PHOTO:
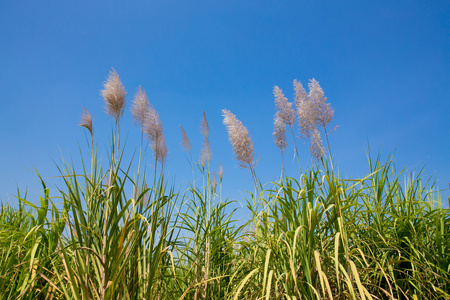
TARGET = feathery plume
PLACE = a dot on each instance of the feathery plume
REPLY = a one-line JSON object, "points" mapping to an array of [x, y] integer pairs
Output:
{"points": [[316, 147], [279, 133], [220, 172], [300, 93], [315, 91], [206, 153], [240, 140], [214, 181], [204, 127], [86, 121], [306, 111], [114, 95], [324, 111], [185, 143], [206, 149], [153, 127], [154, 131], [313, 111], [139, 108], [287, 114], [160, 149]]}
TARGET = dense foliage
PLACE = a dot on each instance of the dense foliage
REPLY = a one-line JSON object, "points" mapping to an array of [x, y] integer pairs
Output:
{"points": [[109, 234]]}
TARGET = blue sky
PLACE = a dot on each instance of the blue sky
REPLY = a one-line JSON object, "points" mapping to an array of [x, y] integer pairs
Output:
{"points": [[383, 65]]}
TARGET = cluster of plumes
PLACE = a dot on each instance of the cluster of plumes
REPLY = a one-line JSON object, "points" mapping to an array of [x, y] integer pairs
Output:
{"points": [[206, 153], [86, 121], [147, 118], [311, 108], [144, 115], [240, 140], [285, 115], [114, 94], [312, 112]]}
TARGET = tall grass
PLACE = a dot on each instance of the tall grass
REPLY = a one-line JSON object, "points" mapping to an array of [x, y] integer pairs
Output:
{"points": [[110, 233]]}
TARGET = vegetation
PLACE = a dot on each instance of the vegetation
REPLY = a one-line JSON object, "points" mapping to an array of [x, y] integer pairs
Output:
{"points": [[116, 235]]}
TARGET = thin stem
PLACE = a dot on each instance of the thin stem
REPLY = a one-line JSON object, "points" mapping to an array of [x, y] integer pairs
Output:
{"points": [[296, 149], [118, 138], [137, 187], [310, 151], [328, 146], [282, 165], [154, 183], [255, 181], [192, 168]]}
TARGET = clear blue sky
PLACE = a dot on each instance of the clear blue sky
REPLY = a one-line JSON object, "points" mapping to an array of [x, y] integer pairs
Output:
{"points": [[384, 66]]}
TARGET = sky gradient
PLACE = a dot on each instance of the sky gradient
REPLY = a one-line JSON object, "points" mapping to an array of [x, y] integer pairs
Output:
{"points": [[383, 65]]}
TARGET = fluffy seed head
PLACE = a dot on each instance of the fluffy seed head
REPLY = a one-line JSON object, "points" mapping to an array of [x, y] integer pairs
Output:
{"points": [[204, 127], [185, 143], [206, 149], [114, 95], [154, 132], [206, 153], [306, 111], [160, 149], [287, 114], [300, 93], [220, 172], [86, 121], [239, 138], [315, 91], [140, 107], [324, 111], [316, 147], [279, 133]]}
